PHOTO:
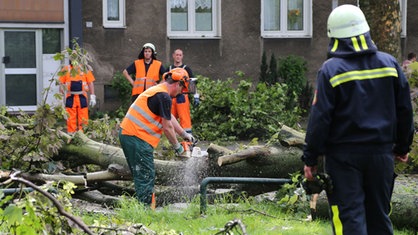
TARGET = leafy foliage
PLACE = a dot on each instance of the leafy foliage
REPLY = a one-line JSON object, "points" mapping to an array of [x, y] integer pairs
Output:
{"points": [[28, 140], [292, 198], [104, 129], [272, 76], [242, 112], [292, 70], [124, 89], [33, 213], [263, 68]]}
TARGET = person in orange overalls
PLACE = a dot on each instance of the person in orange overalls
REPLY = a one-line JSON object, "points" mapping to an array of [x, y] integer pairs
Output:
{"points": [[76, 103], [147, 70], [180, 107]]}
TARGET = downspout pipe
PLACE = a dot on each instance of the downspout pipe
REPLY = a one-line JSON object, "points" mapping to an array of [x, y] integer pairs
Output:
{"points": [[234, 180]]}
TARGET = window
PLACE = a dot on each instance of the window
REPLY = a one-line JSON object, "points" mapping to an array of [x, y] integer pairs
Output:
{"points": [[51, 41], [286, 18], [114, 13], [20, 76], [193, 18]]}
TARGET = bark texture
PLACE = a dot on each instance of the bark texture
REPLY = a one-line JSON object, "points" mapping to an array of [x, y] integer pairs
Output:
{"points": [[384, 20]]}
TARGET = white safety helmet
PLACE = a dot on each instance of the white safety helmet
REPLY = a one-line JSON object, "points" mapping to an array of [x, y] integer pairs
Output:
{"points": [[346, 21], [149, 45]]}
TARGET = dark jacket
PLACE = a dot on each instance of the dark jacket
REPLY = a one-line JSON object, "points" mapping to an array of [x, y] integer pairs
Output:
{"points": [[362, 103]]}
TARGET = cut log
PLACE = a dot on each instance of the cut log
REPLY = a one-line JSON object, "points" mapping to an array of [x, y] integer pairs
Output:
{"points": [[291, 137], [243, 155]]}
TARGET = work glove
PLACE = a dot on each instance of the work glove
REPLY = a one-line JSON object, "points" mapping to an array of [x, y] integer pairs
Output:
{"points": [[189, 137], [196, 99], [178, 148], [92, 100]]}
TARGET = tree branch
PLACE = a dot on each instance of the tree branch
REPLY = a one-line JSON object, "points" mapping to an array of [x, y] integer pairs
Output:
{"points": [[61, 210]]}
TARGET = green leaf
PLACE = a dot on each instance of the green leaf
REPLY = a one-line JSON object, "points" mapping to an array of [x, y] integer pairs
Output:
{"points": [[13, 214]]}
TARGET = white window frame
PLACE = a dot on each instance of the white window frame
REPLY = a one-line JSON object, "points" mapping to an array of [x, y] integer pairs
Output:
{"points": [[403, 6], [284, 32], [114, 23], [37, 71], [191, 33]]}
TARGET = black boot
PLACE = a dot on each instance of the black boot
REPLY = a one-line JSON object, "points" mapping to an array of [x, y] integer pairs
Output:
{"points": [[313, 214]]}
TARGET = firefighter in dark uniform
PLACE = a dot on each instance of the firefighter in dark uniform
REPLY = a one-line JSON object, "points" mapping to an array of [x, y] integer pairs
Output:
{"points": [[361, 120]]}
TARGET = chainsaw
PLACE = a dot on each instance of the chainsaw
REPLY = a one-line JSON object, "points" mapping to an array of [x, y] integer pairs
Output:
{"points": [[190, 150]]}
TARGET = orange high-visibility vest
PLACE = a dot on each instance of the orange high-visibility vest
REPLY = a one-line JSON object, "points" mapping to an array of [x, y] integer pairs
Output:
{"points": [[145, 80], [139, 121]]}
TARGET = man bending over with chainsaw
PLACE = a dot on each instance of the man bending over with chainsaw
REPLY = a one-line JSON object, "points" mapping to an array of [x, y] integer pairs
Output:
{"points": [[361, 120], [141, 129]]}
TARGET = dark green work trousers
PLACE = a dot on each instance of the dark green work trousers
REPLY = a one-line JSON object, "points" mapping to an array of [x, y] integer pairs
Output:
{"points": [[139, 155]]}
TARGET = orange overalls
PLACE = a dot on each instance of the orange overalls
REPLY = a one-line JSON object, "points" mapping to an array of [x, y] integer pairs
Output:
{"points": [[180, 108], [145, 80], [76, 103]]}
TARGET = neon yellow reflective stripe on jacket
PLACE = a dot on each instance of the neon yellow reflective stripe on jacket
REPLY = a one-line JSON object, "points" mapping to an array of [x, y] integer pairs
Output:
{"points": [[363, 75], [338, 226]]}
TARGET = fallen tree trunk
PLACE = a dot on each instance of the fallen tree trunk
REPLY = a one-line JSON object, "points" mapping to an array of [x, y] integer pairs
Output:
{"points": [[268, 162]]}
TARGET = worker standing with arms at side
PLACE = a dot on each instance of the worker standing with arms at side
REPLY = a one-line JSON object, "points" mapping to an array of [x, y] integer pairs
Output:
{"points": [[147, 70], [181, 104], [141, 129], [77, 84], [362, 121]]}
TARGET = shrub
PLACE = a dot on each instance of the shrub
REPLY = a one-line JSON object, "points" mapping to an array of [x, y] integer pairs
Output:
{"points": [[292, 71], [244, 112], [124, 89]]}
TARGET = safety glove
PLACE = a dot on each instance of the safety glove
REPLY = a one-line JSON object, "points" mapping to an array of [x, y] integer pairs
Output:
{"points": [[321, 181], [196, 99], [92, 100], [178, 148], [189, 137]]}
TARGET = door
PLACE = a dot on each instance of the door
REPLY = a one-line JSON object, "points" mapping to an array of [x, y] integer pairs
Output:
{"points": [[19, 84]]}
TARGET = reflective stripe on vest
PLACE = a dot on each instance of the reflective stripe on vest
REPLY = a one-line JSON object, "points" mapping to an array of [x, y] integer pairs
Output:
{"points": [[141, 122], [143, 79], [363, 75]]}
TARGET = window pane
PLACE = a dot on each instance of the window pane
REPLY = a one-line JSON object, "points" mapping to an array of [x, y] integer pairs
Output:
{"points": [[295, 14], [51, 41], [203, 10], [272, 15], [113, 10], [21, 90], [179, 15], [20, 47]]}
